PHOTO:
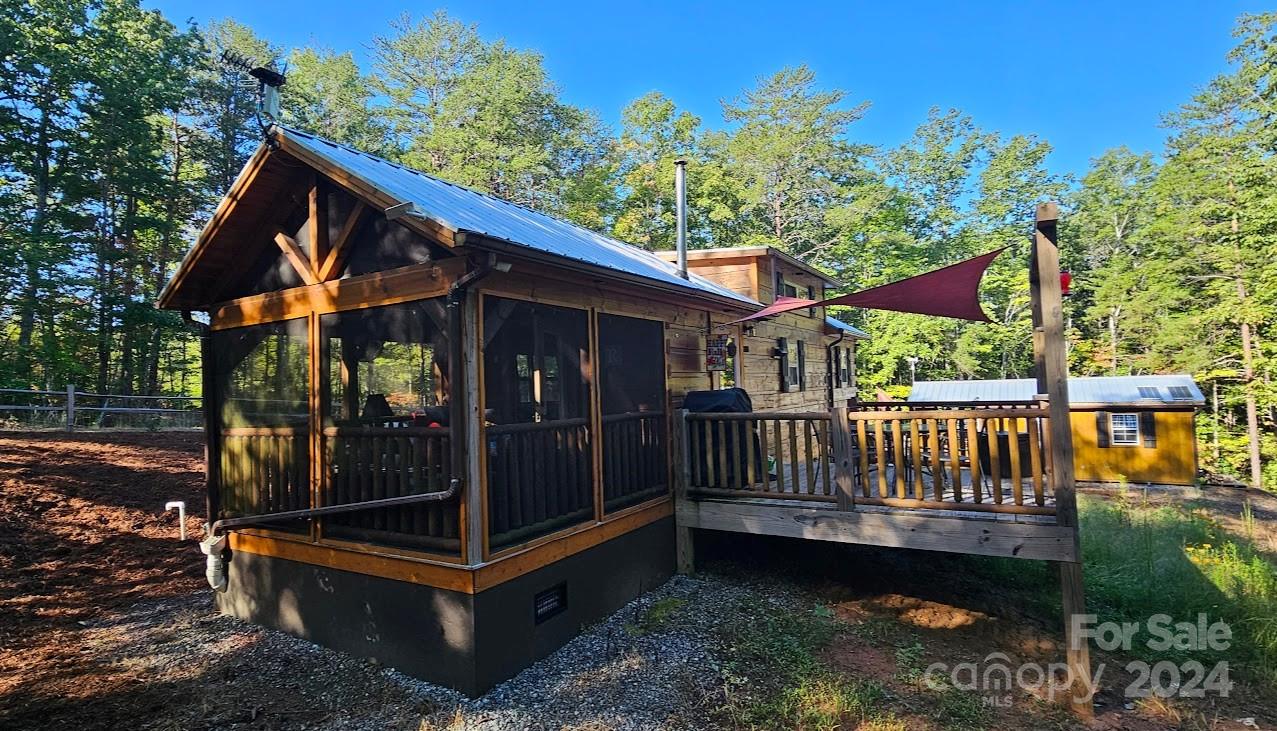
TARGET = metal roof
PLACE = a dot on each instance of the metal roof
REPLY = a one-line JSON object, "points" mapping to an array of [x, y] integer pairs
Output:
{"points": [[851, 330], [1101, 390], [461, 209]]}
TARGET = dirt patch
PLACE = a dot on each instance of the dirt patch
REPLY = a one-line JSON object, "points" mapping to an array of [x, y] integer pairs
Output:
{"points": [[82, 532]]}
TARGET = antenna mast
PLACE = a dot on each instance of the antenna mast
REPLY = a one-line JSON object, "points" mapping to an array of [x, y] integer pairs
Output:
{"points": [[268, 82]]}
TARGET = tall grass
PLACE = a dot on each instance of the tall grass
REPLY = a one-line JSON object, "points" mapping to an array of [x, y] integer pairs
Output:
{"points": [[1141, 560]]}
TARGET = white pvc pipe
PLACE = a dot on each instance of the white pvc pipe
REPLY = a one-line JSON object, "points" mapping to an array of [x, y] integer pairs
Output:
{"points": [[181, 514]]}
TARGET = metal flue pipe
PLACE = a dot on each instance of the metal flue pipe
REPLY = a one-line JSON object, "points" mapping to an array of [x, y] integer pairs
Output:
{"points": [[680, 207]]}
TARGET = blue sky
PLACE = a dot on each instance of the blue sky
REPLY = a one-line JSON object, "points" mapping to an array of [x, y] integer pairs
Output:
{"points": [[1085, 76]]}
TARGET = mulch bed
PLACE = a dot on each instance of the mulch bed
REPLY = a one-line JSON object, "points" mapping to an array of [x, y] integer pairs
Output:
{"points": [[83, 531]]}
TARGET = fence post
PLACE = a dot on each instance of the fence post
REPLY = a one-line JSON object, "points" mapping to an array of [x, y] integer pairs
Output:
{"points": [[70, 407], [843, 468], [685, 557]]}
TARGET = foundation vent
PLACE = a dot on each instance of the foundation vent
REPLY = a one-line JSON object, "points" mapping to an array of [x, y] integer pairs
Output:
{"points": [[550, 602]]}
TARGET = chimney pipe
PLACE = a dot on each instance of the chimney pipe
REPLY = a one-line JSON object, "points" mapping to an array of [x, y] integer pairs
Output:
{"points": [[680, 196]]}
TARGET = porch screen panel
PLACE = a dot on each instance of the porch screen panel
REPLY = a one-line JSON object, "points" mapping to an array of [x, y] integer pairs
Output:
{"points": [[262, 374], [632, 392], [536, 361], [386, 430]]}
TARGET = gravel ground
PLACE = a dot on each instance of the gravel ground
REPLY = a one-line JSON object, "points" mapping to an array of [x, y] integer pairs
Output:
{"points": [[652, 665]]}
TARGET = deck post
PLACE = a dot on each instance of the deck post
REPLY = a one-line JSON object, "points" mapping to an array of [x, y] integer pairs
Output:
{"points": [[1051, 369], [685, 557], [844, 475]]}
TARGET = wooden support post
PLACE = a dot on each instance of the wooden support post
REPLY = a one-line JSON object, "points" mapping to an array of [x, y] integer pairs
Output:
{"points": [[210, 400], [685, 557], [465, 387], [1052, 374], [844, 470], [70, 407]]}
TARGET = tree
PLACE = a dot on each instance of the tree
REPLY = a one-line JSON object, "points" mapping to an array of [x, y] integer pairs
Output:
{"points": [[327, 95]]}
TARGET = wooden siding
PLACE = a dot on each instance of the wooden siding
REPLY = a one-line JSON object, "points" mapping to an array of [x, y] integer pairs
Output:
{"points": [[1172, 462]]}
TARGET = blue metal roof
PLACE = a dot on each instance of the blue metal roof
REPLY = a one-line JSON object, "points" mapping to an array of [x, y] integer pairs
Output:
{"points": [[461, 209], [851, 330], [1104, 390]]}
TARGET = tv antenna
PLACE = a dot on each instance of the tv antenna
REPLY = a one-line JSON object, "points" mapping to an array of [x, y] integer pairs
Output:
{"points": [[268, 82]]}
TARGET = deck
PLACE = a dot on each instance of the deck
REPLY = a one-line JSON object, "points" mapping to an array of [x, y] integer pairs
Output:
{"points": [[974, 481]]}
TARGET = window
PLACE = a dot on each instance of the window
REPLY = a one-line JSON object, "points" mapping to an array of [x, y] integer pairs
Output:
{"points": [[536, 369], [262, 376], [1125, 429], [1150, 392], [386, 365], [632, 395], [845, 367], [385, 406], [1180, 393]]}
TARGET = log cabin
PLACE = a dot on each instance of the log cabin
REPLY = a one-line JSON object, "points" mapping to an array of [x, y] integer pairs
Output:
{"points": [[439, 424]]}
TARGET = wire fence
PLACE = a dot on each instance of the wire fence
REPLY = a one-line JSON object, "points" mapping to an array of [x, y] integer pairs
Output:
{"points": [[70, 410]]}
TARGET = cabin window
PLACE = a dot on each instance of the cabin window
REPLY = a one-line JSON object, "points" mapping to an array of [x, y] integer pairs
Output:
{"points": [[386, 423], [844, 366], [1124, 429], [632, 395], [262, 377], [536, 368]]}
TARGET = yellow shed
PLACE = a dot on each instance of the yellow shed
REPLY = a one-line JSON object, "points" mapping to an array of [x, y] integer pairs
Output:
{"points": [[1125, 428]]}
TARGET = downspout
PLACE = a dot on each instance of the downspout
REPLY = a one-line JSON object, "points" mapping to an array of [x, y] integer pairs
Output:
{"points": [[833, 365]]}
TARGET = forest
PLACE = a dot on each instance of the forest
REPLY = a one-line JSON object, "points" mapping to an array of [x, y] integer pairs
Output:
{"points": [[121, 129]]}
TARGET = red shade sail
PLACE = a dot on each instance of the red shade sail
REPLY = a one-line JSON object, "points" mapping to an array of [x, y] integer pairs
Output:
{"points": [[952, 291]]}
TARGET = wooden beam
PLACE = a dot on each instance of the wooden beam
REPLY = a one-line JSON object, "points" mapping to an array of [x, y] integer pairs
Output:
{"points": [[339, 250], [317, 221], [1052, 372], [1042, 541], [296, 257], [413, 282], [844, 470]]}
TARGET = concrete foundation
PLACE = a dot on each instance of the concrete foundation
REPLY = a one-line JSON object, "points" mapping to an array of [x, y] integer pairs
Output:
{"points": [[469, 642]]}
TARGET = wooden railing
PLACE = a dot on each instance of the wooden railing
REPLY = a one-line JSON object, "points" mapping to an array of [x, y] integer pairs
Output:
{"points": [[539, 479], [372, 463], [965, 459], [264, 470], [635, 461], [782, 454], [979, 459]]}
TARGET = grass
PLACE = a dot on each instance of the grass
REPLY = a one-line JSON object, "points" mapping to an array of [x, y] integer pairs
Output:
{"points": [[656, 617], [1141, 560], [774, 677]]}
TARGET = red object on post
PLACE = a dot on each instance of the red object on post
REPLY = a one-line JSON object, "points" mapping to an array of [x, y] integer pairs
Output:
{"points": [[1065, 280]]}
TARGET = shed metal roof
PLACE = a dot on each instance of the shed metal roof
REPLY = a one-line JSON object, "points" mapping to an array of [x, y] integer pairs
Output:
{"points": [[1101, 390], [461, 209]]}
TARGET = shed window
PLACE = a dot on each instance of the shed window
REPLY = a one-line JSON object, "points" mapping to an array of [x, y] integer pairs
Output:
{"points": [[1125, 429]]}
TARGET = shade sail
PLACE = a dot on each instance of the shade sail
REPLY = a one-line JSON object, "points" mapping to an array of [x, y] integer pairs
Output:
{"points": [[952, 291]]}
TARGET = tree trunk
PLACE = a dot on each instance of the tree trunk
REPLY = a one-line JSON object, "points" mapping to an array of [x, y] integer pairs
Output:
{"points": [[31, 289]]}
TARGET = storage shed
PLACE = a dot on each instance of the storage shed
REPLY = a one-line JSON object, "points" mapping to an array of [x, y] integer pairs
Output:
{"points": [[1125, 428], [439, 423]]}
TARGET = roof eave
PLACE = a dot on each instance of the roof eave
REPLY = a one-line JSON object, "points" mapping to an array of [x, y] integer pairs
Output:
{"points": [[491, 243]]}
